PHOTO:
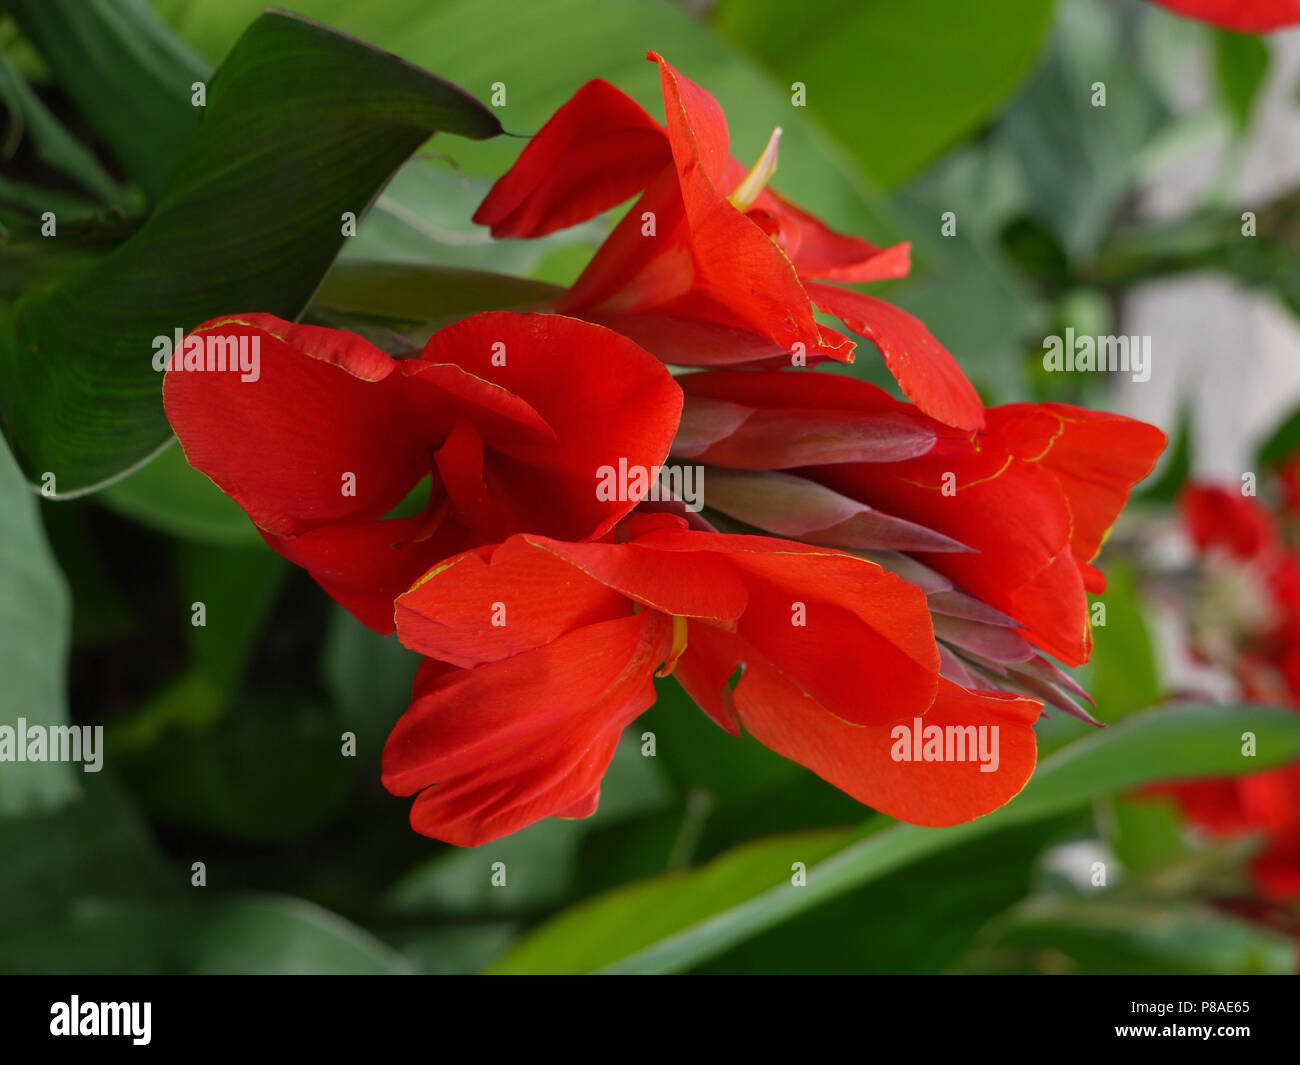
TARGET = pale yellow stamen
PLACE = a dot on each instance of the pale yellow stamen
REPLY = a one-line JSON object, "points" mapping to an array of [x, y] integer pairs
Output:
{"points": [[678, 646], [744, 195]]}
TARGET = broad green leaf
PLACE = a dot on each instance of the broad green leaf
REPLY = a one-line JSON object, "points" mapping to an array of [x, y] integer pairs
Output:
{"points": [[463, 40], [302, 124], [916, 920], [540, 861], [35, 619], [127, 73], [1145, 832], [1122, 675], [896, 83], [270, 768], [1079, 158], [412, 292], [94, 847], [1112, 936], [53, 144], [236, 935], [1240, 64], [169, 495], [368, 677], [676, 922]]}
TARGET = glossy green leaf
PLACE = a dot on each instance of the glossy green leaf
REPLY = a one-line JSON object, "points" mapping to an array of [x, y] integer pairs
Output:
{"points": [[128, 75], [53, 144], [414, 292], [302, 124], [896, 83], [35, 619], [1240, 64], [1112, 936], [464, 40], [675, 922]]}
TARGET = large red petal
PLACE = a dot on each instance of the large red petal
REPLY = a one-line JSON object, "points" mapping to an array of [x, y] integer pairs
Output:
{"points": [[503, 745], [859, 760], [602, 396], [928, 375], [596, 151]]}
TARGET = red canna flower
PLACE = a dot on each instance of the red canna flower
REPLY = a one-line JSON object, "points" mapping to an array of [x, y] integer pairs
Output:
{"points": [[506, 415], [547, 651], [1248, 16], [1250, 625], [1000, 525], [710, 267]]}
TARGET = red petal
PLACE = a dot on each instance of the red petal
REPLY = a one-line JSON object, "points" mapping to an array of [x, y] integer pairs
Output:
{"points": [[495, 602], [604, 398], [928, 375], [858, 759], [592, 154], [819, 253], [503, 745]]}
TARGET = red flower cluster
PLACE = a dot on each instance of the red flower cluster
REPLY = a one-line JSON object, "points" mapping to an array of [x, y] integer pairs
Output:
{"points": [[893, 566], [1246, 556]]}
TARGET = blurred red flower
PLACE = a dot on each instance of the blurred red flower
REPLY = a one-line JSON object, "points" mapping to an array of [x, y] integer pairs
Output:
{"points": [[1248, 16], [1239, 535]]}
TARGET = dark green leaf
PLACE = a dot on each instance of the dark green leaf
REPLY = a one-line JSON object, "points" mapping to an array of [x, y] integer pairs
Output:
{"points": [[35, 618], [302, 125]]}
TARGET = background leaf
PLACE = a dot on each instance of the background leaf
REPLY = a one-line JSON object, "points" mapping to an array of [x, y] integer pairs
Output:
{"points": [[35, 617], [943, 65], [302, 124], [675, 922]]}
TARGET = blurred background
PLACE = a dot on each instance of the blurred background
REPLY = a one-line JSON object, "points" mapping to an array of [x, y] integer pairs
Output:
{"points": [[223, 741]]}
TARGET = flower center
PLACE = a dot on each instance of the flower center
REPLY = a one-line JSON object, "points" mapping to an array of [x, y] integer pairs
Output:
{"points": [[744, 194]]}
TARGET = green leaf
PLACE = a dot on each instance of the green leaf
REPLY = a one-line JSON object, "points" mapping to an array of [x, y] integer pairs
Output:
{"points": [[53, 144], [1078, 159], [675, 922], [302, 125], [896, 83], [1282, 443], [94, 847], [269, 769], [35, 617], [244, 934], [422, 292], [596, 39], [1122, 675], [916, 920], [1240, 63], [368, 677], [540, 861], [1110, 936], [126, 72], [169, 495]]}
